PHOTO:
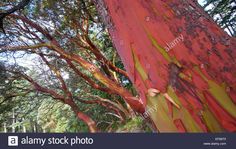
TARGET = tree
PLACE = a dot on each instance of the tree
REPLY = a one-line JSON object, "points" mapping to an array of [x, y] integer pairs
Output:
{"points": [[181, 63], [67, 44], [223, 12], [179, 60]]}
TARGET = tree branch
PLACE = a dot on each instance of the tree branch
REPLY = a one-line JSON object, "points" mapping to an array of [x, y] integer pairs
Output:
{"points": [[22, 48], [59, 76], [3, 15]]}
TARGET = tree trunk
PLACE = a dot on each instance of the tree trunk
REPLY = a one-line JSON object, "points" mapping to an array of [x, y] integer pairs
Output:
{"points": [[23, 126], [5, 127], [24, 129], [13, 121], [179, 60]]}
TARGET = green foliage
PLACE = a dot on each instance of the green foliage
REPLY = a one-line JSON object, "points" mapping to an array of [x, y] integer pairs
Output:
{"points": [[54, 116], [135, 124], [224, 13]]}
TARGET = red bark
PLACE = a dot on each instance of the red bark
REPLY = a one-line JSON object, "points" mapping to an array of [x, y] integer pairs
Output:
{"points": [[147, 35]]}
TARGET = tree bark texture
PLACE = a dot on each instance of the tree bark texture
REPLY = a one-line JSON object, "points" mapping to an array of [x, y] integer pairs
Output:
{"points": [[179, 60]]}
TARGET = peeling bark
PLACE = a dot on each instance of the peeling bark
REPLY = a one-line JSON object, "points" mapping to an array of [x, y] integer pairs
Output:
{"points": [[199, 73]]}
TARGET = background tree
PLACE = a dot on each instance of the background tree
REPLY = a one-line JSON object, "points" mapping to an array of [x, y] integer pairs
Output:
{"points": [[223, 12]]}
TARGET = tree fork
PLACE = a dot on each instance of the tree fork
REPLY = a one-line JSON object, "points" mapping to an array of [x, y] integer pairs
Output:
{"points": [[116, 88]]}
